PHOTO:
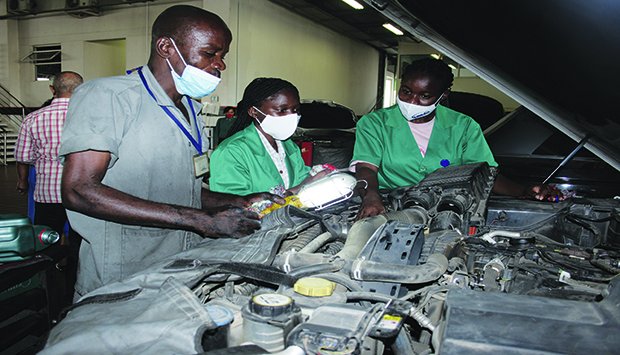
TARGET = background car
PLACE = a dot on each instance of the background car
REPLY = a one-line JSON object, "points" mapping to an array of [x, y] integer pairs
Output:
{"points": [[326, 133]]}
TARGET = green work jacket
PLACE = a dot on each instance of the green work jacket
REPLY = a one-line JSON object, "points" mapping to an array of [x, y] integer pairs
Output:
{"points": [[383, 138], [241, 165]]}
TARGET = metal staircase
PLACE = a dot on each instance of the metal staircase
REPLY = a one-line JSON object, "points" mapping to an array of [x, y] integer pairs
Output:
{"points": [[12, 112]]}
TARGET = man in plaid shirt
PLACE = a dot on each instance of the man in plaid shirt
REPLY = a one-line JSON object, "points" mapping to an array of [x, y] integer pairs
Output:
{"points": [[37, 144]]}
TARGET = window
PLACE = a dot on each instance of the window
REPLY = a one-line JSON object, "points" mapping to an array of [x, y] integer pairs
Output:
{"points": [[46, 60]]}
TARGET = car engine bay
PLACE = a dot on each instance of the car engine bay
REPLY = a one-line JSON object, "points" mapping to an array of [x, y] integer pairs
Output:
{"points": [[447, 269]]}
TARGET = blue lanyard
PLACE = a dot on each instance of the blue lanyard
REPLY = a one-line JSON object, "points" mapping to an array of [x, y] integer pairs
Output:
{"points": [[196, 143]]}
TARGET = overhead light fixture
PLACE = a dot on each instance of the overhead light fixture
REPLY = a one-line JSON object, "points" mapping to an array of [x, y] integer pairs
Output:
{"points": [[393, 29], [435, 55], [354, 4], [452, 66]]}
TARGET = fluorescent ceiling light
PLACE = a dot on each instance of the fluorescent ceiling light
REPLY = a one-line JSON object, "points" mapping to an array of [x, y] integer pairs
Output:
{"points": [[452, 66], [393, 29], [354, 4], [435, 55]]}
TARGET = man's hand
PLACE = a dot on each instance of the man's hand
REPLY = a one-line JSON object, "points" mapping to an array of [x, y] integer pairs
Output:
{"points": [[233, 222], [22, 177], [372, 205], [22, 187]]}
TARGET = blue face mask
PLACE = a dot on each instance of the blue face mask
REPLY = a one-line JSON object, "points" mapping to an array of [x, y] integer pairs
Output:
{"points": [[193, 82]]}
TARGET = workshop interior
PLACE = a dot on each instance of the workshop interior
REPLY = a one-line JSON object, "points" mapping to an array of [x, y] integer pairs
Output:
{"points": [[449, 267]]}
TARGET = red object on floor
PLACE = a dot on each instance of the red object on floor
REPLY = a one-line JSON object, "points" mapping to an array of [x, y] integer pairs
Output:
{"points": [[306, 152]]}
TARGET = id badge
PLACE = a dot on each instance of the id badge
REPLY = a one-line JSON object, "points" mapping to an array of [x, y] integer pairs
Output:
{"points": [[201, 164]]}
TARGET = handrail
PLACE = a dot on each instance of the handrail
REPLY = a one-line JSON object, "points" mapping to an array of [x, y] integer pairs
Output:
{"points": [[12, 99], [4, 159], [13, 119]]}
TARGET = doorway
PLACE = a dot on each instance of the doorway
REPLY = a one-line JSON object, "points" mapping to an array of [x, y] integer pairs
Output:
{"points": [[104, 58]]}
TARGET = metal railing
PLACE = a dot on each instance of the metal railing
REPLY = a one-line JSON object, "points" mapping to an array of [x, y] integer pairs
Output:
{"points": [[3, 159], [12, 113]]}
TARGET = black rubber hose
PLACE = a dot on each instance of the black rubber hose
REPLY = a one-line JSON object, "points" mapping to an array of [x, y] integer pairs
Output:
{"points": [[367, 296], [365, 270], [310, 270]]}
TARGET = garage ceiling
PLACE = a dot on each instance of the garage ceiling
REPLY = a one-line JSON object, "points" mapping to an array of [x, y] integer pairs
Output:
{"points": [[365, 25]]}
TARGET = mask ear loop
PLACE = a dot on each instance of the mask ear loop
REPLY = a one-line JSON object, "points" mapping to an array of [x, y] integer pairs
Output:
{"points": [[178, 51], [256, 118]]}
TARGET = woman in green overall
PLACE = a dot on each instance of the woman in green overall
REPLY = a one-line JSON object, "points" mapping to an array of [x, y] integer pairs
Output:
{"points": [[258, 155], [399, 145]]}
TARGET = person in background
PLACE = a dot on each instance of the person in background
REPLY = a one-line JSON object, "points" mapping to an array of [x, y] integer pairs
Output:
{"points": [[222, 126], [37, 144], [399, 145], [133, 167], [258, 155]]}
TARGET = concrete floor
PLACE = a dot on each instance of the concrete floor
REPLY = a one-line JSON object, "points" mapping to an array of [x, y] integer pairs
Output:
{"points": [[10, 200]]}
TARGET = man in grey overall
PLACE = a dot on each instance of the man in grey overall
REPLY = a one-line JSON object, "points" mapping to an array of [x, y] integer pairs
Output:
{"points": [[134, 155]]}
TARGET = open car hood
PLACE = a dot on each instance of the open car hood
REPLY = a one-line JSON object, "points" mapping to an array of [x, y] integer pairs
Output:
{"points": [[558, 58]]}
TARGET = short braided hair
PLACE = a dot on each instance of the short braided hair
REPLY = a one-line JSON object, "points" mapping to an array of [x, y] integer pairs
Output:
{"points": [[432, 67], [259, 90]]}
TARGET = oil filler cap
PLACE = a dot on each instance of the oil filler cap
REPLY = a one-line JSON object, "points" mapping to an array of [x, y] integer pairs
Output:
{"points": [[314, 287], [271, 304]]}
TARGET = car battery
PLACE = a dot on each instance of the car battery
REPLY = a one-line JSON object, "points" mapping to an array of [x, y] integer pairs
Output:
{"points": [[20, 240]]}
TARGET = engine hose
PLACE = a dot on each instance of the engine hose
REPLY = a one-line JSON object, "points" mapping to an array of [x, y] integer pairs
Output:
{"points": [[367, 296], [317, 242], [302, 238], [362, 230], [422, 320], [365, 270], [291, 260], [490, 235], [605, 267], [309, 270]]}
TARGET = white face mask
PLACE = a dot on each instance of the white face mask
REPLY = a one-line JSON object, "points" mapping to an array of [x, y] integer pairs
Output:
{"points": [[279, 127], [413, 112], [193, 82]]}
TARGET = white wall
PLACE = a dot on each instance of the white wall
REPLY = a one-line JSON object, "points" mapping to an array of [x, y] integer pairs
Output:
{"points": [[130, 23], [321, 63], [9, 64], [104, 58], [267, 41]]}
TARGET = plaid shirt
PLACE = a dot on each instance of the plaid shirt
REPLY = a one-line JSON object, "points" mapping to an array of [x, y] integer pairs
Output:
{"points": [[38, 143]]}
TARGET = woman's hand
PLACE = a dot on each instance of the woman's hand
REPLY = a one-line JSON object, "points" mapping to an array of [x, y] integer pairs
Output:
{"points": [[505, 186], [544, 193], [372, 205]]}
